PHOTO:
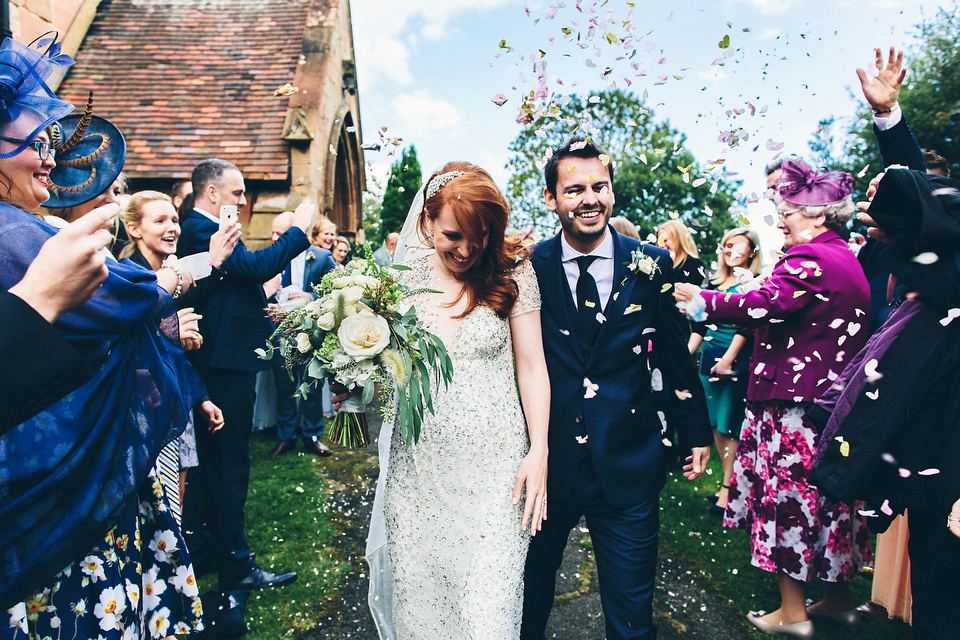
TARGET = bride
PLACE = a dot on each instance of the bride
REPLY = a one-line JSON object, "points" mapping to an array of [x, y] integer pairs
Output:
{"points": [[449, 533]]}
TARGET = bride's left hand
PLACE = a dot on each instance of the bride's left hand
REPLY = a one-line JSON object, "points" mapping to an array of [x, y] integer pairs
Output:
{"points": [[532, 477]]}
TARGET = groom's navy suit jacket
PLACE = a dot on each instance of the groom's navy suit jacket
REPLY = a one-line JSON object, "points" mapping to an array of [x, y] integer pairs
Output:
{"points": [[621, 423]]}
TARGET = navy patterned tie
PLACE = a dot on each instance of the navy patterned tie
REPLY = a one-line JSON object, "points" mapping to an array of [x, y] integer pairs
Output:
{"points": [[588, 300]]}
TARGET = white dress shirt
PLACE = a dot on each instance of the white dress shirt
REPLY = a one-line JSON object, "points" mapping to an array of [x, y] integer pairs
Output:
{"points": [[601, 269]]}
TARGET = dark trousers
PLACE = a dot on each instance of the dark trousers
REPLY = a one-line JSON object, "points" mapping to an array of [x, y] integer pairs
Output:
{"points": [[934, 571], [307, 415], [625, 544], [216, 492]]}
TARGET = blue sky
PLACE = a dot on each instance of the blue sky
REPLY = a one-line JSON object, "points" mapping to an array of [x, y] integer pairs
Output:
{"points": [[425, 72]]}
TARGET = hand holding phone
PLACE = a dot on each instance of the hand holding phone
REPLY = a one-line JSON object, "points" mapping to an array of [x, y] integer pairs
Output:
{"points": [[228, 216]]}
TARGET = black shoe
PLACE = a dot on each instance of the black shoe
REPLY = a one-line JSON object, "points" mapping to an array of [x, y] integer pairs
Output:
{"points": [[716, 510], [257, 578]]}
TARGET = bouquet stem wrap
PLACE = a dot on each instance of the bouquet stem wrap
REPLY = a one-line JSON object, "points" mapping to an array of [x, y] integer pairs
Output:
{"points": [[350, 425]]}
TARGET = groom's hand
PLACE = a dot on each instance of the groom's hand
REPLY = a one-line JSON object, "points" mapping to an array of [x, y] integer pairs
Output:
{"points": [[696, 463]]}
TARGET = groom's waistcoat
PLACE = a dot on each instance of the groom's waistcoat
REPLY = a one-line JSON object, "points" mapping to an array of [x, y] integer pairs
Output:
{"points": [[602, 398]]}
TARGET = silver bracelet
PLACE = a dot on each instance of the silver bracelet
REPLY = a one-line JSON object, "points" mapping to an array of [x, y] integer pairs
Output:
{"points": [[176, 269]]}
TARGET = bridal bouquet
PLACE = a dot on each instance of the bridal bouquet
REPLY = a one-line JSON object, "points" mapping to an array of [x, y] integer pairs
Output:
{"points": [[359, 332]]}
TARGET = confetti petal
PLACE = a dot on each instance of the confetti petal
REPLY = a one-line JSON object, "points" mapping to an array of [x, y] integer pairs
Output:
{"points": [[285, 90]]}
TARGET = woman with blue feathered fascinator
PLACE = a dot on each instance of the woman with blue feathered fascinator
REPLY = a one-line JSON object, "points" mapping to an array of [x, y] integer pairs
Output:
{"points": [[88, 545]]}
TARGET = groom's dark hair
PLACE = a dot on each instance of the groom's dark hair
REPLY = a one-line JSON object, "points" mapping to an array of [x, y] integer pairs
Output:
{"points": [[572, 148]]}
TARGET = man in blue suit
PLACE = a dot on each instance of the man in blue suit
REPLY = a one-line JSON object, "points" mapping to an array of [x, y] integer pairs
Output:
{"points": [[234, 325], [297, 281], [612, 336]]}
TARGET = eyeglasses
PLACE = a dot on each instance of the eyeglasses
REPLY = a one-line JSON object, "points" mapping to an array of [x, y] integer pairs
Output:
{"points": [[786, 214], [44, 150]]}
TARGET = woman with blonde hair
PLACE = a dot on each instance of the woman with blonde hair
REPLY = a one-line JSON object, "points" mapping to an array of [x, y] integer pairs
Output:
{"points": [[674, 236], [153, 226], [724, 363], [341, 248], [323, 233]]}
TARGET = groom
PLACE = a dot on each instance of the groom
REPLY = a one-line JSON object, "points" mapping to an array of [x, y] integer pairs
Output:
{"points": [[611, 335]]}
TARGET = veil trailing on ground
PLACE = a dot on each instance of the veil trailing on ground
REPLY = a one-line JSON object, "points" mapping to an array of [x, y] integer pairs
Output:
{"points": [[411, 245]]}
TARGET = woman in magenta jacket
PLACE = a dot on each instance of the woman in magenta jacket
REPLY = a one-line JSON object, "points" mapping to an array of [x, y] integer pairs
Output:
{"points": [[812, 316]]}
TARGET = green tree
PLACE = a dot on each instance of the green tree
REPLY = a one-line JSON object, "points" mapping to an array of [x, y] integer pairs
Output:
{"points": [[402, 185], [654, 174], [371, 210], [929, 97]]}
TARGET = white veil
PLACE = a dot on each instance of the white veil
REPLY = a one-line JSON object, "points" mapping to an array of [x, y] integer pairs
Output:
{"points": [[410, 246]]}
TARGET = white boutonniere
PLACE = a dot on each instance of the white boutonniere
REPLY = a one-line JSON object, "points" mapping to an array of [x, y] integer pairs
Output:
{"points": [[310, 257], [642, 263]]}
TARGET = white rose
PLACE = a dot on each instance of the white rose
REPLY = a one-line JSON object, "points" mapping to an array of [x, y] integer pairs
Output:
{"points": [[363, 335], [344, 281], [351, 294], [328, 302], [303, 342], [325, 321], [367, 282], [314, 306]]}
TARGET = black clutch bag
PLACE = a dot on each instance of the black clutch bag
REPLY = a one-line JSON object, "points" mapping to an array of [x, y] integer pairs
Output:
{"points": [[711, 355]]}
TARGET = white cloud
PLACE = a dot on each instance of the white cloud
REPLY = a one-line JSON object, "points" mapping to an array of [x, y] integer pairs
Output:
{"points": [[387, 33], [385, 57], [768, 7], [770, 33], [714, 74], [495, 165], [420, 114], [410, 17]]}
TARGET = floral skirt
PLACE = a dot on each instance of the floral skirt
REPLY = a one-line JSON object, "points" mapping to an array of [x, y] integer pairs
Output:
{"points": [[793, 529], [137, 583]]}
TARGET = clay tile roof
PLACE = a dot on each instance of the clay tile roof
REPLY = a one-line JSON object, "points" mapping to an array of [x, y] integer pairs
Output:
{"points": [[186, 80]]}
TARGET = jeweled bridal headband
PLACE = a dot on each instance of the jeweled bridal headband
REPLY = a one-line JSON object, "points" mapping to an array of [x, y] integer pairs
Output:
{"points": [[434, 185]]}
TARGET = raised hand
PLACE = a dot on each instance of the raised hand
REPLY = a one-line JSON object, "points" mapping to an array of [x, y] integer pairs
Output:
{"points": [[883, 90], [303, 215], [223, 242]]}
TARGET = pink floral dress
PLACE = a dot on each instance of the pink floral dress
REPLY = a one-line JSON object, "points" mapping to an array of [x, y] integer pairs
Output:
{"points": [[793, 529]]}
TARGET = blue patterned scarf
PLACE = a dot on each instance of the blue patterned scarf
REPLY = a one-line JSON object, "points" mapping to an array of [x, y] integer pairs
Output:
{"points": [[67, 472]]}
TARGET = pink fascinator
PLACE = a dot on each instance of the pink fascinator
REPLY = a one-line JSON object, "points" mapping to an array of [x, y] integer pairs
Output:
{"points": [[801, 185]]}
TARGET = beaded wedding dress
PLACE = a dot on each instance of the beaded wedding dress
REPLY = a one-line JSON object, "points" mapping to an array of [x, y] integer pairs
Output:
{"points": [[453, 537]]}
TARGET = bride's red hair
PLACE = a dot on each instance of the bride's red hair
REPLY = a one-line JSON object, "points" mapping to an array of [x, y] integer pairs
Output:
{"points": [[479, 208]]}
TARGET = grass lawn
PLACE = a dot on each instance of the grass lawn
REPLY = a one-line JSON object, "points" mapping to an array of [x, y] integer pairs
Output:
{"points": [[301, 516], [295, 512], [721, 557]]}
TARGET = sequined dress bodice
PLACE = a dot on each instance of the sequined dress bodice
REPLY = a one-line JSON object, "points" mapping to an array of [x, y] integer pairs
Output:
{"points": [[454, 537]]}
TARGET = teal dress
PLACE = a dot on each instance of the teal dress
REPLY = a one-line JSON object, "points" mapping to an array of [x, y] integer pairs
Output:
{"points": [[726, 397]]}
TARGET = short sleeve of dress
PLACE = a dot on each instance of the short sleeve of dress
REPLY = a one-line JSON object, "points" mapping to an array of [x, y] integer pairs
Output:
{"points": [[529, 297]]}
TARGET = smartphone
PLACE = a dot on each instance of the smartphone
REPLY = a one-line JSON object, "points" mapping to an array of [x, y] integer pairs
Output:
{"points": [[228, 215]]}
